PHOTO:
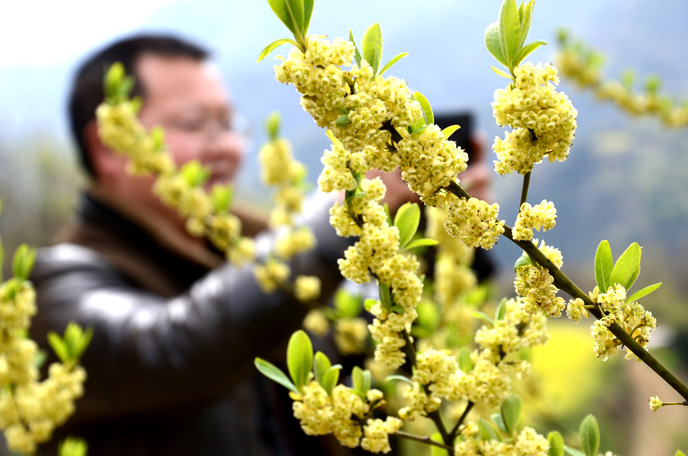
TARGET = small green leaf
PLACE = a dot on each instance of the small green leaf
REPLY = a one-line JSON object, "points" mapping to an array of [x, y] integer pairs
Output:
{"points": [[331, 378], [307, 13], [372, 46], [429, 316], [342, 120], [274, 45], [627, 267], [499, 421], [484, 316], [590, 436], [385, 296], [357, 53], [556, 444], [22, 264], [321, 363], [272, 125], [572, 451], [389, 64], [275, 374], [604, 263], [399, 378], [421, 242], [299, 358], [493, 44], [113, 79], [527, 20], [502, 73], [523, 260], [486, 431], [511, 412], [500, 312], [465, 361], [527, 50], [509, 31], [679, 453], [435, 450], [221, 197], [447, 132], [285, 14], [406, 220], [73, 447], [644, 292], [58, 346], [348, 304], [361, 381], [369, 303], [194, 173], [425, 106]]}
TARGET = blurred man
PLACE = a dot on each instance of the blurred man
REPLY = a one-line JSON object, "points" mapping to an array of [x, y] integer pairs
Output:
{"points": [[176, 329]]}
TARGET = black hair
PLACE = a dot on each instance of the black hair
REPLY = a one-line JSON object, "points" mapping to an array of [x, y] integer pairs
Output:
{"points": [[87, 87]]}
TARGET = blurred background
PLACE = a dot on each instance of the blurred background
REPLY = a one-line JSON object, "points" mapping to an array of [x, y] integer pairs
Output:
{"points": [[625, 179]]}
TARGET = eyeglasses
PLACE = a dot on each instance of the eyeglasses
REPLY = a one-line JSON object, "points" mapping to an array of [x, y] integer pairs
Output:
{"points": [[208, 126]]}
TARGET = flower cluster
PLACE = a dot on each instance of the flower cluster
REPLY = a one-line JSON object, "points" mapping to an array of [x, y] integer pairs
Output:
{"points": [[583, 66], [536, 286], [280, 170], [631, 316], [543, 120], [120, 129], [30, 409], [371, 116], [542, 216], [528, 442], [346, 415], [475, 222]]}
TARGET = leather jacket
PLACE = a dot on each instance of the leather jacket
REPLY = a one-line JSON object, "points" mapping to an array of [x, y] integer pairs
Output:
{"points": [[170, 367]]}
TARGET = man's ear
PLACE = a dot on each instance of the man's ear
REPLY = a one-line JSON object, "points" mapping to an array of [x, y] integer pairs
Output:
{"points": [[106, 162]]}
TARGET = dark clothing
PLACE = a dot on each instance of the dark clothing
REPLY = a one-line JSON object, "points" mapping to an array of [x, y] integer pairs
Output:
{"points": [[170, 367]]}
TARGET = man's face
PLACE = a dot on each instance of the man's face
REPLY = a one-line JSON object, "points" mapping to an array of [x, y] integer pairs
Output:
{"points": [[187, 98]]}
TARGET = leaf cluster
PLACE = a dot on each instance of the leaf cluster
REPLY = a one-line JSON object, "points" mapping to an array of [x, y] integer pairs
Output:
{"points": [[624, 272], [72, 345], [505, 39], [296, 16]]}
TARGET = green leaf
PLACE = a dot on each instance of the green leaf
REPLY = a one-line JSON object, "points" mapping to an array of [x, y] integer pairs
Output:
{"points": [[572, 451], [556, 444], [484, 316], [221, 197], [113, 79], [331, 378], [357, 53], [399, 378], [509, 31], [22, 264], [299, 358], [526, 20], [348, 304], [285, 12], [644, 292], [59, 346], [502, 73], [435, 450], [321, 363], [389, 64], [499, 421], [307, 13], [372, 46], [406, 220], [604, 263], [194, 173], [425, 106], [421, 242], [73, 447], [369, 303], [511, 412], [527, 50], [493, 44], [361, 381], [590, 436], [385, 296], [486, 431], [272, 125], [275, 374], [627, 267], [679, 453], [523, 260], [343, 120], [428, 315], [274, 45], [465, 361], [447, 132], [500, 312]]}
